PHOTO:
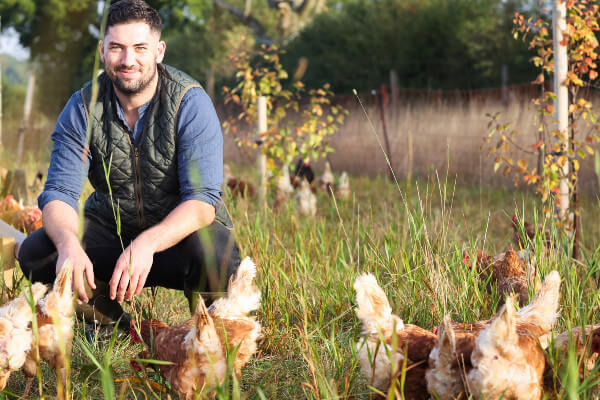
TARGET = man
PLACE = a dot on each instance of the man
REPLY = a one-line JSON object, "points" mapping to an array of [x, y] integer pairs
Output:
{"points": [[155, 160]]}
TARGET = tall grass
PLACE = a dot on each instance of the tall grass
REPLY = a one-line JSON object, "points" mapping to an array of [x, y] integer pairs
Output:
{"points": [[306, 268]]}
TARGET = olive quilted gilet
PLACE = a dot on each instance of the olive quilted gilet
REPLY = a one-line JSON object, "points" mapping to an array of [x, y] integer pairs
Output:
{"points": [[143, 179]]}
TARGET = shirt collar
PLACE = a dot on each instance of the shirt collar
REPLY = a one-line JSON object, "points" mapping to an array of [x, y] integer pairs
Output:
{"points": [[141, 111]]}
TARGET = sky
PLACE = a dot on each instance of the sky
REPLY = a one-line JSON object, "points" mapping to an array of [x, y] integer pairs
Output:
{"points": [[9, 44]]}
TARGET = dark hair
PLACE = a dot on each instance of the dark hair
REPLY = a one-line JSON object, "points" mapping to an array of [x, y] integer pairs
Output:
{"points": [[125, 11]]}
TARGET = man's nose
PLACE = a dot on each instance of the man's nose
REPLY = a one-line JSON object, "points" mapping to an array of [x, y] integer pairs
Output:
{"points": [[128, 57]]}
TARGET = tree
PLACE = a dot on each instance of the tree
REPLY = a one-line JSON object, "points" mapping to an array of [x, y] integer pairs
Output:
{"points": [[429, 43], [554, 148], [57, 33]]}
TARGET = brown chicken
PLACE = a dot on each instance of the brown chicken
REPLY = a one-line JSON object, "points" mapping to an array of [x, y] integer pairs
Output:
{"points": [[450, 360], [229, 320], [510, 273], [15, 331], [194, 349], [25, 219], [238, 187], [413, 343], [235, 326], [55, 325], [508, 360], [586, 346], [529, 231]]}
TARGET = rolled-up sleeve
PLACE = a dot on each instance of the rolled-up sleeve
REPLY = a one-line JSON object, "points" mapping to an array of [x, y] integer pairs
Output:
{"points": [[69, 161], [199, 148]]}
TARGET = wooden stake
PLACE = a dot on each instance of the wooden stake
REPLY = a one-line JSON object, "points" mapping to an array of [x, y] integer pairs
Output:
{"points": [[561, 104], [262, 158], [0, 103], [380, 103], [0, 91]]}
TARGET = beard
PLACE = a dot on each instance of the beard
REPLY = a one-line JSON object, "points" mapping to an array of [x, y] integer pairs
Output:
{"points": [[130, 87]]}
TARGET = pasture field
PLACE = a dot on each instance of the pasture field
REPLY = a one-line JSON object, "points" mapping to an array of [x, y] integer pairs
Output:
{"points": [[412, 238]]}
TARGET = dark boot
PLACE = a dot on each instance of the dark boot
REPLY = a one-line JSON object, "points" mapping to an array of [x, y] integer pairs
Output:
{"points": [[100, 309]]}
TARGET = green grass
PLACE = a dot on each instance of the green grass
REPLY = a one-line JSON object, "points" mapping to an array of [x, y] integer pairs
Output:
{"points": [[414, 244]]}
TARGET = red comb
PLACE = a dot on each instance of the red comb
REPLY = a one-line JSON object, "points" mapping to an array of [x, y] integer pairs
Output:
{"points": [[135, 365], [135, 338], [467, 260], [434, 330], [511, 248]]}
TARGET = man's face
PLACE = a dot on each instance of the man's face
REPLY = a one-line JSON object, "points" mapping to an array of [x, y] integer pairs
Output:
{"points": [[130, 53]]}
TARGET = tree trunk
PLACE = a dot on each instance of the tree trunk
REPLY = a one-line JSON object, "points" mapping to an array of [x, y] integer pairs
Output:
{"points": [[562, 98]]}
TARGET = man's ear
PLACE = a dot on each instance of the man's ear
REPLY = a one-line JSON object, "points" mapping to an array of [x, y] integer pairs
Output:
{"points": [[101, 50], [160, 51]]}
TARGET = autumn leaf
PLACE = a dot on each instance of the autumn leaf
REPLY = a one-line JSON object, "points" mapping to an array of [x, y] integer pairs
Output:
{"points": [[539, 144], [589, 149], [575, 164], [562, 160]]}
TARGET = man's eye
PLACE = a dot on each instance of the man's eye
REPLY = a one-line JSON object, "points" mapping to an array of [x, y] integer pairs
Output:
{"points": [[140, 48]]}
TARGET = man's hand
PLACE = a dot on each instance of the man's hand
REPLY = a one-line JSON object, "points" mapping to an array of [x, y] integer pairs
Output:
{"points": [[132, 269], [81, 265], [133, 266], [61, 223]]}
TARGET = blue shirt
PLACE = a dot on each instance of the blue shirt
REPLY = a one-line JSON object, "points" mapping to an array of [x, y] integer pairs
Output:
{"points": [[199, 150]]}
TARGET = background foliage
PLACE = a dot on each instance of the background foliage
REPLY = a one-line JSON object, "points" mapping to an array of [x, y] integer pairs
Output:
{"points": [[351, 44]]}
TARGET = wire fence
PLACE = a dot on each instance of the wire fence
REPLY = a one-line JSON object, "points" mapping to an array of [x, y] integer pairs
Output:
{"points": [[432, 130]]}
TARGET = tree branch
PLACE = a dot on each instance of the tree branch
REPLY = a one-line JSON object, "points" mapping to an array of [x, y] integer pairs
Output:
{"points": [[247, 20]]}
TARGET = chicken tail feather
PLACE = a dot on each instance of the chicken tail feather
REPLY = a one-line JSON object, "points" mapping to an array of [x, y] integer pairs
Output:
{"points": [[205, 328], [20, 308], [502, 330], [373, 307], [63, 281], [242, 297], [543, 309], [447, 342]]}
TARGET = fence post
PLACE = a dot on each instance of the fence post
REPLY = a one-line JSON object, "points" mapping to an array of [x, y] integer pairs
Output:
{"points": [[262, 158], [394, 93], [381, 98], [0, 91], [26, 115], [0, 103], [561, 104]]}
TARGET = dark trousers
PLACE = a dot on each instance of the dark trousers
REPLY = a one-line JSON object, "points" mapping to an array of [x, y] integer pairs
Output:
{"points": [[201, 262]]}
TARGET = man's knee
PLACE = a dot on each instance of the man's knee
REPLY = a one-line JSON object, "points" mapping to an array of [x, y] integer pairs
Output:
{"points": [[37, 257], [226, 250], [215, 259]]}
